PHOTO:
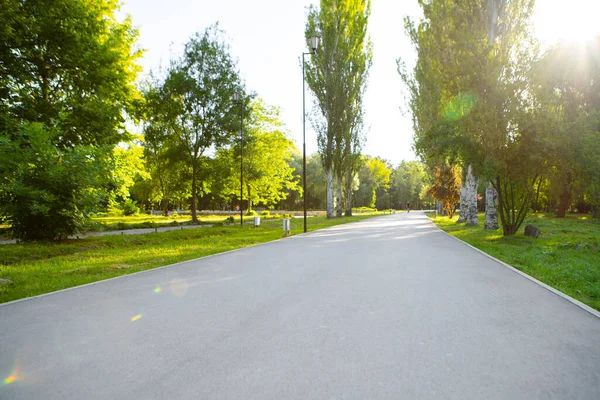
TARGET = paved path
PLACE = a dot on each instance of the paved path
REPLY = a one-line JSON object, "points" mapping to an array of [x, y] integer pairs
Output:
{"points": [[385, 308]]}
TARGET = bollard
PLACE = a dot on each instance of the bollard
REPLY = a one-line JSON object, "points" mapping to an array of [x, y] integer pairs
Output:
{"points": [[256, 222], [287, 226]]}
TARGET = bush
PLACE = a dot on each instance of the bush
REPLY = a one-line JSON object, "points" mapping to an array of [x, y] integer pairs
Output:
{"points": [[265, 213], [121, 226], [231, 219], [45, 190], [175, 214], [251, 213], [130, 208]]}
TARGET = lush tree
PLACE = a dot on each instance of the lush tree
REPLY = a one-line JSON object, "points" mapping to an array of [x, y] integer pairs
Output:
{"points": [[565, 80], [66, 87], [47, 189], [68, 64], [195, 103], [446, 187], [267, 152], [337, 76], [471, 98], [374, 174], [406, 184]]}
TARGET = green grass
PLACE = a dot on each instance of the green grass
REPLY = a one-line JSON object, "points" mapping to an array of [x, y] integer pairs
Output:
{"points": [[35, 268], [566, 256]]}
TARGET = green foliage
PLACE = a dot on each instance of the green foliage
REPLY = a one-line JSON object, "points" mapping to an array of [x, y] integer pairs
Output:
{"points": [[267, 151], [373, 175], [231, 219], [130, 208], [68, 64], [470, 95], [408, 184], [45, 190], [265, 213], [66, 83], [192, 110], [337, 75], [251, 213]]}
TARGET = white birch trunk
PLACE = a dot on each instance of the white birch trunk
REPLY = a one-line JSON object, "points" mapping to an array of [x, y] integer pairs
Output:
{"points": [[463, 206], [330, 205], [491, 214], [471, 195]]}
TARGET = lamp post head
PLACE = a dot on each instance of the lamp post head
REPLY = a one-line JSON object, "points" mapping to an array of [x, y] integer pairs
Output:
{"points": [[236, 96], [313, 42]]}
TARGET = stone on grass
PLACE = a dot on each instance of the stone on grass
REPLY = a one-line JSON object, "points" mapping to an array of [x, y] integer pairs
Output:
{"points": [[532, 231]]}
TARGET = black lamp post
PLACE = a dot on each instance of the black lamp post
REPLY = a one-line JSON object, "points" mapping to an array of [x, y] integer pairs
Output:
{"points": [[237, 98], [313, 42]]}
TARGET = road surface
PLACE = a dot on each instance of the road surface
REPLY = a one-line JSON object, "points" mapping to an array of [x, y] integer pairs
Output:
{"points": [[387, 308]]}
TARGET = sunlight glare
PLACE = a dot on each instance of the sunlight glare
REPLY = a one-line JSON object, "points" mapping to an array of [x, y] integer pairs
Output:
{"points": [[574, 21]]}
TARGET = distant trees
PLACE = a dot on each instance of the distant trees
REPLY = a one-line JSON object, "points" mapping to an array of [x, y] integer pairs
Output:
{"points": [[337, 75]]}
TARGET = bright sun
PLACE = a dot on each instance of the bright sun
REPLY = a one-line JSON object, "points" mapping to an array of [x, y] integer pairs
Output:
{"points": [[572, 20]]}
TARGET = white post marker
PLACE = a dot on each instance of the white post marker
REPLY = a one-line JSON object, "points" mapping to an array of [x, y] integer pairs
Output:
{"points": [[256, 222], [287, 226]]}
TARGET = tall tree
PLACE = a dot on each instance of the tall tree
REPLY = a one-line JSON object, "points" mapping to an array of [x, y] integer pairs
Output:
{"points": [[66, 86], [195, 101], [337, 76], [470, 96]]}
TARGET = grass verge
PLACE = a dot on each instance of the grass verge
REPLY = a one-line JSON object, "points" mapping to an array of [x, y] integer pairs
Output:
{"points": [[566, 256], [36, 268]]}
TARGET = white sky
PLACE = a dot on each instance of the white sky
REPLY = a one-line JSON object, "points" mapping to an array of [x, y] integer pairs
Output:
{"points": [[266, 36]]}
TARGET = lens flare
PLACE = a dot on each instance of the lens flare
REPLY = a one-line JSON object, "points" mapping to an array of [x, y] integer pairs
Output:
{"points": [[12, 378], [133, 319]]}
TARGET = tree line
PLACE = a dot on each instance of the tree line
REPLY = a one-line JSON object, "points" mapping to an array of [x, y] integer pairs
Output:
{"points": [[81, 131], [490, 104]]}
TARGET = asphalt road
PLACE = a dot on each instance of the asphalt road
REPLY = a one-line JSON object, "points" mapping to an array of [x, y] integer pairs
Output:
{"points": [[388, 308]]}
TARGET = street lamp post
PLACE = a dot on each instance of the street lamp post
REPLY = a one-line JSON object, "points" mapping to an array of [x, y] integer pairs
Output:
{"points": [[313, 42], [237, 98]]}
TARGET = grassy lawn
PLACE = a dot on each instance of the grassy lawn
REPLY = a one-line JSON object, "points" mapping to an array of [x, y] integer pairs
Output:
{"points": [[566, 256], [35, 268]]}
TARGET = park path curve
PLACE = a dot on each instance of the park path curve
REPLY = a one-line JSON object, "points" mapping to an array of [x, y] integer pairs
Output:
{"points": [[385, 308]]}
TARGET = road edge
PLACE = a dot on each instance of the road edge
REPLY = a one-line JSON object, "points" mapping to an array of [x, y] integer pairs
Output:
{"points": [[181, 262], [557, 292]]}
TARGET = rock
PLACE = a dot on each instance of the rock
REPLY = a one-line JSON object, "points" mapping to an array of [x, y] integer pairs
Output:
{"points": [[532, 231], [5, 281]]}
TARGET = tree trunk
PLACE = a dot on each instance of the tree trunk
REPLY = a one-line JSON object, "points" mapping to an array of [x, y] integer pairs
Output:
{"points": [[349, 182], [491, 214], [338, 196], [330, 205], [564, 199], [249, 198], [471, 195], [194, 192], [166, 207], [464, 207]]}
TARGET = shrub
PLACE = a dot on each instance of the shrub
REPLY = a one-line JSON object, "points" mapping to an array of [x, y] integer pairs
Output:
{"points": [[175, 214], [121, 226], [231, 218], [251, 213], [130, 207], [265, 213]]}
